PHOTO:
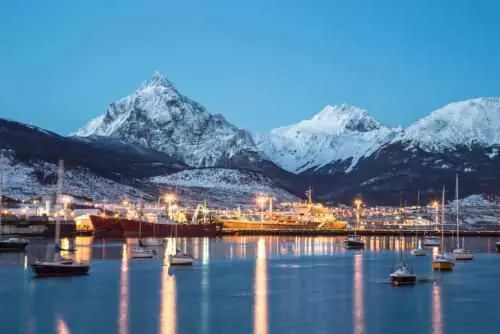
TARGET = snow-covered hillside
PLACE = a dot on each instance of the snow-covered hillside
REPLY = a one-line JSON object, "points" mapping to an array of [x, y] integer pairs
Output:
{"points": [[157, 116], [221, 186], [337, 133], [23, 181], [464, 123]]}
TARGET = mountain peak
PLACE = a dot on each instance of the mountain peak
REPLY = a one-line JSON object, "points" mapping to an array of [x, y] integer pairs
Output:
{"points": [[461, 123], [158, 80]]}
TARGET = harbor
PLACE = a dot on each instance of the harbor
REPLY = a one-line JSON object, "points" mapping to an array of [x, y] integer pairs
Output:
{"points": [[243, 284]]}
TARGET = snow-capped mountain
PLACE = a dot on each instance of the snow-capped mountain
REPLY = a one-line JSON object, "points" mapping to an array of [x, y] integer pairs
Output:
{"points": [[464, 123], [157, 116], [340, 134]]}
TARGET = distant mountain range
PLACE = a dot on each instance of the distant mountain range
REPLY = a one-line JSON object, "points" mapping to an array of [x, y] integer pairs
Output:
{"points": [[342, 151]]}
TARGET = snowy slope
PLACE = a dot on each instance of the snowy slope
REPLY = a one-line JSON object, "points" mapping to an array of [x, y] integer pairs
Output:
{"points": [[337, 133], [464, 123], [23, 181], [228, 186], [157, 116]]}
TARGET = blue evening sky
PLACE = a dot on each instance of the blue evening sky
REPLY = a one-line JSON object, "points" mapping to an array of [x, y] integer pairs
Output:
{"points": [[260, 63]]}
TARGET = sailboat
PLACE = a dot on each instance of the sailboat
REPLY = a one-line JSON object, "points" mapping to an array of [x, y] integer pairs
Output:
{"points": [[419, 251], [402, 275], [460, 253], [176, 257], [11, 244], [442, 262], [353, 241], [59, 266]]}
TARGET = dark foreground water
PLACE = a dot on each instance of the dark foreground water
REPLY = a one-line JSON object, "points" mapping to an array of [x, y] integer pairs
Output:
{"points": [[251, 285]]}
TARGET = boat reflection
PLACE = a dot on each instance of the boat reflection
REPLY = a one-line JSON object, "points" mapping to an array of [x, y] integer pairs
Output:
{"points": [[123, 304], [437, 316], [260, 323], [358, 304], [168, 302]]}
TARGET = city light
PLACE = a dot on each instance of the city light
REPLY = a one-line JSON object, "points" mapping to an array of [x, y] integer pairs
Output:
{"points": [[169, 198]]}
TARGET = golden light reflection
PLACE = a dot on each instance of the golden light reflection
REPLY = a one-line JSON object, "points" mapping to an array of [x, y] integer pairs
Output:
{"points": [[437, 316], [84, 251], [168, 302], [205, 283], [260, 323], [62, 327], [123, 304], [358, 305]]}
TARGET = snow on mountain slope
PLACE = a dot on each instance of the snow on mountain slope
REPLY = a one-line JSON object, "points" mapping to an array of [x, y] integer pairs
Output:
{"points": [[337, 133], [464, 123], [157, 116], [22, 181], [228, 185]]}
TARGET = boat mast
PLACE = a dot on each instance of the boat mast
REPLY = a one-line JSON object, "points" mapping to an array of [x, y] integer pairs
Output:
{"points": [[442, 219], [456, 200], [60, 175]]}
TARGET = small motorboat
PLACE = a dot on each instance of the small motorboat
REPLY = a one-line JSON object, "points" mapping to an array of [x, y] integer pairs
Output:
{"points": [[62, 267], [403, 276], [150, 242], [431, 241], [13, 244], [462, 254], [180, 259], [354, 242], [142, 253], [443, 262]]}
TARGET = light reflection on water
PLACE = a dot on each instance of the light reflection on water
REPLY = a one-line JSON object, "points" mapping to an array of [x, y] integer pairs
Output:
{"points": [[268, 277], [260, 322]]}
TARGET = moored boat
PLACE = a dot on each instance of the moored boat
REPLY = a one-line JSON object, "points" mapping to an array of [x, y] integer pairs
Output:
{"points": [[443, 262], [419, 251], [150, 242], [460, 253], [63, 267], [497, 245], [403, 276], [142, 253], [13, 244], [180, 259], [354, 242], [431, 241]]}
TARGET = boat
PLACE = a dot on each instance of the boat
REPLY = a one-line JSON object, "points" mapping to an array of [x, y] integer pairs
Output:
{"points": [[13, 244], [150, 242], [62, 267], [142, 253], [175, 256], [120, 227], [180, 259], [497, 245], [353, 241], [460, 253], [10, 244], [403, 276], [59, 266], [419, 251], [431, 241], [443, 261]]}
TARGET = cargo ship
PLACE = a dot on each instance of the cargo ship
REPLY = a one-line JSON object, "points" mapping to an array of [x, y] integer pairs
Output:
{"points": [[117, 227]]}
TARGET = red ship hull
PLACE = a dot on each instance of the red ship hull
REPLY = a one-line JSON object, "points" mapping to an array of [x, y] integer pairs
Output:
{"points": [[122, 227]]}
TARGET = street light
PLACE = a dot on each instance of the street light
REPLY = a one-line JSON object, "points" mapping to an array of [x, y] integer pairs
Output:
{"points": [[261, 202], [357, 203], [169, 199]]}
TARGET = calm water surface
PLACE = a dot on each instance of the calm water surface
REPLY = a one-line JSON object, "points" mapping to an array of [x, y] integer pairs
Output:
{"points": [[251, 285]]}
